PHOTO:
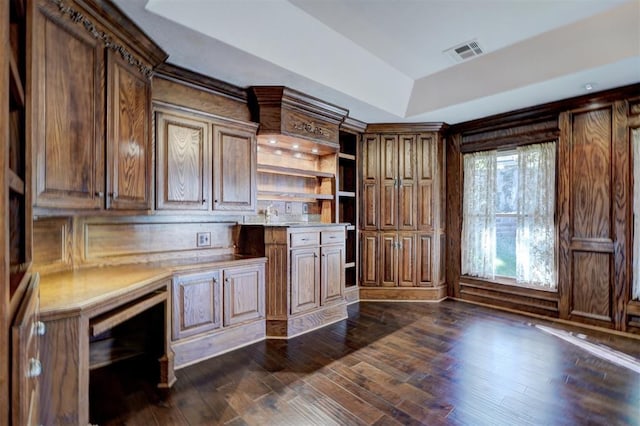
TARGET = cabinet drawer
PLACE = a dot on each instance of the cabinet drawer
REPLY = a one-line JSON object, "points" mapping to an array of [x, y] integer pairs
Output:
{"points": [[304, 239], [330, 237]]}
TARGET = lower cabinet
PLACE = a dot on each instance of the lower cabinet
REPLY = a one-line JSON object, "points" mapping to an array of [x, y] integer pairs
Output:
{"points": [[216, 310], [306, 278], [25, 360], [400, 265]]}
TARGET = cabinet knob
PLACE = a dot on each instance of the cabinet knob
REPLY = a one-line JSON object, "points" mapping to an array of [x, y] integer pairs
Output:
{"points": [[204, 200], [40, 328], [99, 194], [215, 201], [35, 368]]}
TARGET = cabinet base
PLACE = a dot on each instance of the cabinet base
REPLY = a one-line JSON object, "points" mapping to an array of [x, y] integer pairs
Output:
{"points": [[303, 323], [352, 294], [191, 351], [404, 294]]}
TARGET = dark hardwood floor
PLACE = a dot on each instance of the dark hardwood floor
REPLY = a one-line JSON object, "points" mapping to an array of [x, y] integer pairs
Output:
{"points": [[388, 364]]}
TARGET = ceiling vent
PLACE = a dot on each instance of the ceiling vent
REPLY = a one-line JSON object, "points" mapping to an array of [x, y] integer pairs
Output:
{"points": [[464, 51]]}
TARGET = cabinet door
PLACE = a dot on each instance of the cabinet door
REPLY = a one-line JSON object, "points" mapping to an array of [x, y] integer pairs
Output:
{"points": [[243, 294], [234, 177], [305, 277], [182, 180], [406, 260], [370, 182], [389, 259], [389, 182], [196, 304], [128, 153], [424, 260], [425, 182], [331, 274], [407, 180], [370, 256], [26, 366], [67, 121]]}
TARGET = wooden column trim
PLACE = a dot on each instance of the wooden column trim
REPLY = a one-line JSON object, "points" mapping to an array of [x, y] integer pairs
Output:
{"points": [[454, 213]]}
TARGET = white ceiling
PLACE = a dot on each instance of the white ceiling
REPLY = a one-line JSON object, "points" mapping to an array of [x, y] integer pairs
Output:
{"points": [[383, 59]]}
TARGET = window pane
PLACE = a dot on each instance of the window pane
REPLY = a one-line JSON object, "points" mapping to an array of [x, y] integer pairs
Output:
{"points": [[507, 183], [506, 246]]}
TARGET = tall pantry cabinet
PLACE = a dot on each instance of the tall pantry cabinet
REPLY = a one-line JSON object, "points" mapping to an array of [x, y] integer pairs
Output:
{"points": [[402, 216]]}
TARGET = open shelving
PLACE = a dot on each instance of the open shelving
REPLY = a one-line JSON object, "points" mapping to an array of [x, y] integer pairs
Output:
{"points": [[347, 202]]}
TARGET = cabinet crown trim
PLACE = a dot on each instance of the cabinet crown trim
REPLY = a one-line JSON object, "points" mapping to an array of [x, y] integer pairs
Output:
{"points": [[79, 18]]}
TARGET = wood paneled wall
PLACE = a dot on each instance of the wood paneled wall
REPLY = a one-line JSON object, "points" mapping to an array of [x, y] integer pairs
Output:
{"points": [[75, 242], [593, 206]]}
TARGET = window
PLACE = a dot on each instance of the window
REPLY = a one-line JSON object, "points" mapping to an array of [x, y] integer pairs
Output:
{"points": [[508, 215], [635, 289]]}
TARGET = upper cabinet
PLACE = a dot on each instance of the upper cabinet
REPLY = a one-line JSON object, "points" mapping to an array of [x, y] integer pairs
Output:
{"points": [[128, 148], [89, 117], [204, 162]]}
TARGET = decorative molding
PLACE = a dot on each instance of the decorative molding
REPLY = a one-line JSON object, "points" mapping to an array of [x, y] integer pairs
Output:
{"points": [[78, 18], [310, 128]]}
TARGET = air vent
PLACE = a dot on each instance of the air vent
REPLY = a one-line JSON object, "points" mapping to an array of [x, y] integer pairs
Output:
{"points": [[464, 51]]}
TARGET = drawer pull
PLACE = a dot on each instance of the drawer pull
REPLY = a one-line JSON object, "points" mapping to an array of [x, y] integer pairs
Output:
{"points": [[35, 368], [40, 328], [304, 239]]}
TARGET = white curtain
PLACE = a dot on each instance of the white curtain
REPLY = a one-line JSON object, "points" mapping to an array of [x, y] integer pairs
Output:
{"points": [[635, 291], [479, 219], [535, 234]]}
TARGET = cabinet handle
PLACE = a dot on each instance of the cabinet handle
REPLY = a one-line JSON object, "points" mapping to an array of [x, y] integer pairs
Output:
{"points": [[215, 201], [40, 328], [227, 280], [35, 368], [99, 194], [204, 200], [304, 239]]}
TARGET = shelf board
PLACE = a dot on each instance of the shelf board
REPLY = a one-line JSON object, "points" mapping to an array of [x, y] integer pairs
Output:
{"points": [[290, 171], [15, 182], [347, 156], [108, 351], [284, 195], [347, 194], [17, 89], [349, 265], [351, 227]]}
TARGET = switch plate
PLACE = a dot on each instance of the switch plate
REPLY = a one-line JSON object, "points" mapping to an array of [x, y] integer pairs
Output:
{"points": [[305, 208], [203, 239]]}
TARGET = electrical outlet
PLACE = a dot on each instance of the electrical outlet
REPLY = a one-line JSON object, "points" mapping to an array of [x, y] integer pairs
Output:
{"points": [[288, 207], [203, 239]]}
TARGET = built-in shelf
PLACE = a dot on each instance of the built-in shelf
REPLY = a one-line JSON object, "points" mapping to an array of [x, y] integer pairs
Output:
{"points": [[17, 89], [351, 227], [16, 183], [347, 156], [283, 195], [107, 351], [291, 171], [350, 265], [347, 194]]}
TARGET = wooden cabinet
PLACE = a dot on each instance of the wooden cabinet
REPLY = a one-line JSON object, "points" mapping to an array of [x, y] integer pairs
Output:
{"points": [[197, 303], [182, 174], [68, 75], [234, 169], [74, 94], [332, 273], [305, 279], [217, 309], [306, 272], [403, 232], [26, 365], [204, 163], [128, 139], [243, 294]]}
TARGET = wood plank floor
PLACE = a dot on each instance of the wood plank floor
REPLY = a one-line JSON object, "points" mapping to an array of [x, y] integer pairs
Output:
{"points": [[388, 364]]}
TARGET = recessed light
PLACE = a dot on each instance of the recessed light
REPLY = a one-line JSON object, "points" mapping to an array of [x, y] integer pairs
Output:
{"points": [[295, 146], [297, 155], [278, 152], [314, 150], [272, 141], [589, 86]]}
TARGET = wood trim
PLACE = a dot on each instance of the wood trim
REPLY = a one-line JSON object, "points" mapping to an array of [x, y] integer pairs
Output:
{"points": [[511, 141], [199, 81], [399, 294], [353, 125], [454, 187], [121, 314], [406, 128], [548, 110], [5, 51], [286, 97]]}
